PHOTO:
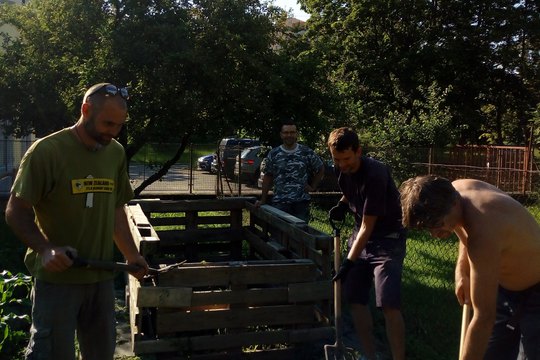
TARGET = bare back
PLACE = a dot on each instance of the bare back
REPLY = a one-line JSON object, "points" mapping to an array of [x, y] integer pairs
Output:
{"points": [[501, 233]]}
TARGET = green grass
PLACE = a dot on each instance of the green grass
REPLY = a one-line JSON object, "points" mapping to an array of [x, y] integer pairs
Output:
{"points": [[430, 309]]}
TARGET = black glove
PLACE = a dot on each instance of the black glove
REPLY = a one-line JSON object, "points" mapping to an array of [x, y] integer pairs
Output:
{"points": [[338, 212], [343, 270]]}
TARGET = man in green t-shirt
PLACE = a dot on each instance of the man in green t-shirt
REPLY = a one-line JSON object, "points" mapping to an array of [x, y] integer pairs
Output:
{"points": [[68, 200]]}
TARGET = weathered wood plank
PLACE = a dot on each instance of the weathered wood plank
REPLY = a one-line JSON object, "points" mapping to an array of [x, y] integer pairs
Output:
{"points": [[225, 204], [235, 318], [226, 341], [137, 216], [312, 291], [146, 243], [200, 220], [178, 237], [134, 315], [162, 296], [293, 220], [244, 295], [176, 297], [311, 237], [240, 273], [250, 297], [261, 247], [267, 354]]}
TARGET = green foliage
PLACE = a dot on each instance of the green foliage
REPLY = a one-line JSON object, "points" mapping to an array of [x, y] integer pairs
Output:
{"points": [[381, 54], [15, 309], [193, 67], [395, 138], [208, 67]]}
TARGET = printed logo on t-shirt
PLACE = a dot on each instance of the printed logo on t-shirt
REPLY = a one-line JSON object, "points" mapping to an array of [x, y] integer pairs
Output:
{"points": [[92, 185]]}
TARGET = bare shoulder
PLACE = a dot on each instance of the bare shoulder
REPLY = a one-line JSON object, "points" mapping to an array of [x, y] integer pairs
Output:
{"points": [[463, 185]]}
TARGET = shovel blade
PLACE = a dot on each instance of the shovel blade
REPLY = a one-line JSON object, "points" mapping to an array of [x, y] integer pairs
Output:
{"points": [[338, 352]]}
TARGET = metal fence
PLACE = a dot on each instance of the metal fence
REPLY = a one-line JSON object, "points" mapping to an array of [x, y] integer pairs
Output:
{"points": [[11, 153], [512, 169]]}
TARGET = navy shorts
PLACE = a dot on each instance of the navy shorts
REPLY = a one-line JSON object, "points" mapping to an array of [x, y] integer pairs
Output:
{"points": [[380, 264], [504, 342]]}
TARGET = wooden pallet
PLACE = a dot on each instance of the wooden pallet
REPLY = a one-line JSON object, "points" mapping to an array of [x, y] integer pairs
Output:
{"points": [[239, 293]]}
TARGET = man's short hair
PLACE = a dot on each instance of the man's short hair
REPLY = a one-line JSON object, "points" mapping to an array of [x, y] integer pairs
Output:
{"points": [[289, 121], [426, 200], [342, 139], [97, 99]]}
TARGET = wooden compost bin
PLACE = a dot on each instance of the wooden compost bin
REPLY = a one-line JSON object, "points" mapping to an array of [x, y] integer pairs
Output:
{"points": [[236, 281]]}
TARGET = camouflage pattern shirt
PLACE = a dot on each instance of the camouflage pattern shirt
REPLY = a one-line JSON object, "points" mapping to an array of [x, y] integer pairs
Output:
{"points": [[291, 170]]}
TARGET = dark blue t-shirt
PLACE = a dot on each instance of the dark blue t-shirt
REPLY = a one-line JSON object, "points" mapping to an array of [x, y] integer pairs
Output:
{"points": [[371, 191]]}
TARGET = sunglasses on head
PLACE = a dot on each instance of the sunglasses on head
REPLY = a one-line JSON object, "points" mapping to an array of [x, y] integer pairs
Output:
{"points": [[111, 90]]}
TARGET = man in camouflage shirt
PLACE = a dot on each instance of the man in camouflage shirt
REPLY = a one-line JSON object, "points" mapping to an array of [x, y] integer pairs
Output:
{"points": [[294, 170]]}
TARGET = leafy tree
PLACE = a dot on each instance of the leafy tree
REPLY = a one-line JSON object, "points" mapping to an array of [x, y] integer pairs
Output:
{"points": [[382, 53], [194, 67], [39, 77]]}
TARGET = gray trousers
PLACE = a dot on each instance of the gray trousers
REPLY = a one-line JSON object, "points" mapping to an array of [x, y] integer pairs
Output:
{"points": [[59, 311]]}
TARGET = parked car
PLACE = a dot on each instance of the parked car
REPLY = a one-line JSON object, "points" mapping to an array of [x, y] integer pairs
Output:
{"points": [[247, 167], [205, 162], [214, 166], [329, 183], [229, 148]]}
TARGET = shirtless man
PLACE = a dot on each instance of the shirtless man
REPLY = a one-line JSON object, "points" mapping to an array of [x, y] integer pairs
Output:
{"points": [[498, 267]]}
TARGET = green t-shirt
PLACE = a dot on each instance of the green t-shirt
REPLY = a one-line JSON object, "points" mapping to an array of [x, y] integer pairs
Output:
{"points": [[74, 192]]}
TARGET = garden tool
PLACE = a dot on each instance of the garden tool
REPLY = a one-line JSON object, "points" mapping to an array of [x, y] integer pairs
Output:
{"points": [[465, 320], [337, 351]]}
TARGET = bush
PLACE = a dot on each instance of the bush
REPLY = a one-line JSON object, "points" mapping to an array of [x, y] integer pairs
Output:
{"points": [[15, 307]]}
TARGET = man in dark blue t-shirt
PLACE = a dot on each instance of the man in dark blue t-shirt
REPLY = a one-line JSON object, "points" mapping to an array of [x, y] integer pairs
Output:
{"points": [[377, 245]]}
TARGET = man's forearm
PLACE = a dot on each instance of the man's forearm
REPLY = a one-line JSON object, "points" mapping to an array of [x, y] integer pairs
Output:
{"points": [[364, 233], [462, 264], [21, 219], [476, 340]]}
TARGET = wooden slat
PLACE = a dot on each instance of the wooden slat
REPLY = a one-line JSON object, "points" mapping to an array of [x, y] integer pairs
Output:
{"points": [[169, 221], [225, 204], [140, 220], [240, 273], [226, 341], [147, 245], [261, 247], [176, 237], [293, 220], [250, 297], [306, 234], [200, 220], [312, 291], [149, 296], [268, 251], [134, 315], [235, 318], [267, 354], [176, 297]]}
